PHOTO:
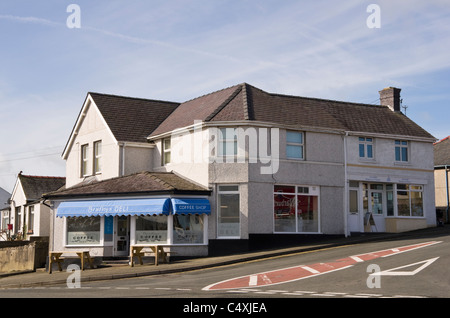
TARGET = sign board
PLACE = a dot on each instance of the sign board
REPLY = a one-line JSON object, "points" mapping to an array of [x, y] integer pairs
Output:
{"points": [[369, 220]]}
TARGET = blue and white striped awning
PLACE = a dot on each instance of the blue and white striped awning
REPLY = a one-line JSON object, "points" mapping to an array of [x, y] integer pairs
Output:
{"points": [[191, 206], [114, 207], [133, 207]]}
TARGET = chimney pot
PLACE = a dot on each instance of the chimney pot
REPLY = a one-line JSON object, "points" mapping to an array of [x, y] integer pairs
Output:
{"points": [[390, 96]]}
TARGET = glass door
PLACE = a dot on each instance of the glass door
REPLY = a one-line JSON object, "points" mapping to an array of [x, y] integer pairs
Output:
{"points": [[122, 236]]}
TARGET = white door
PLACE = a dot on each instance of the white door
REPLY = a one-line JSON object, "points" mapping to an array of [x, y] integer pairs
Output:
{"points": [[122, 236]]}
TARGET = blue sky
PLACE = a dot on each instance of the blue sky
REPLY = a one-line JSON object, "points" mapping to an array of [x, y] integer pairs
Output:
{"points": [[179, 49]]}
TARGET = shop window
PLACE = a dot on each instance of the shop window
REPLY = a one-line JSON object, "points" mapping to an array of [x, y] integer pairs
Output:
{"points": [[294, 145], [83, 230], [151, 229], [188, 229], [228, 211], [409, 200], [296, 210]]}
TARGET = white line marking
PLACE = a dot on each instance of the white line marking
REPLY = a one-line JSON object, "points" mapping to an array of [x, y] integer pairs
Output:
{"points": [[357, 259], [311, 270], [253, 280]]}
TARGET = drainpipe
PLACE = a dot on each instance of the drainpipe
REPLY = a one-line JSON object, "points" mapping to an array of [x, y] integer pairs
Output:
{"points": [[345, 187], [446, 186]]}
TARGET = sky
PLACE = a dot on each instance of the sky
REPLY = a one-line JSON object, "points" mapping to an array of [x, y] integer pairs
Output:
{"points": [[52, 55]]}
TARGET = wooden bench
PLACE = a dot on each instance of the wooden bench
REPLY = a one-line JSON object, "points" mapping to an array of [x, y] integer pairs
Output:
{"points": [[55, 257], [158, 250]]}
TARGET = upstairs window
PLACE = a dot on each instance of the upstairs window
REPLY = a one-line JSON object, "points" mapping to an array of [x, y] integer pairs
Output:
{"points": [[97, 156], [365, 148], [228, 143], [294, 145], [166, 151], [84, 160], [401, 151]]}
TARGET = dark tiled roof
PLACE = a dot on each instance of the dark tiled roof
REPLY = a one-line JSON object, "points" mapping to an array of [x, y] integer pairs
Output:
{"points": [[245, 102], [442, 152], [135, 184], [132, 119], [35, 186]]}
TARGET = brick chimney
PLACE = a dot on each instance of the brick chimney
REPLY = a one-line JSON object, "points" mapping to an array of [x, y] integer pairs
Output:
{"points": [[390, 96]]}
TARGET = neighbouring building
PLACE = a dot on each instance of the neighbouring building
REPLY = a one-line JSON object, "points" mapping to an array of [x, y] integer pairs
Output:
{"points": [[441, 175], [239, 166], [27, 216], [4, 213]]}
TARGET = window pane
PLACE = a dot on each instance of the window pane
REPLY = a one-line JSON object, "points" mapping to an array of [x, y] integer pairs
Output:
{"points": [[361, 151], [390, 203], [188, 229], [353, 201], [397, 154], [308, 213], [416, 204], [403, 203], [294, 137], [83, 230], [295, 152], [228, 188], [377, 203], [404, 154], [229, 215], [151, 229], [284, 213], [369, 151], [284, 189]]}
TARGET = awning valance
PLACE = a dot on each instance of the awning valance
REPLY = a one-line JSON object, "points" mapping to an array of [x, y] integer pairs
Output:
{"points": [[134, 207], [191, 206], [114, 207]]}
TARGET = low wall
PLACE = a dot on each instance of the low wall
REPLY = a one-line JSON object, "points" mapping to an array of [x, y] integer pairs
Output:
{"points": [[23, 255], [397, 225]]}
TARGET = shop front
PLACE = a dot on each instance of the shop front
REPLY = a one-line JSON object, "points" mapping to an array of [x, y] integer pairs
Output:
{"points": [[386, 207], [109, 227]]}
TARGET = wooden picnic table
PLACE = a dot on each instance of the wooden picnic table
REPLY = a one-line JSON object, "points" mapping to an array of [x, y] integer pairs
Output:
{"points": [[55, 257], [137, 251]]}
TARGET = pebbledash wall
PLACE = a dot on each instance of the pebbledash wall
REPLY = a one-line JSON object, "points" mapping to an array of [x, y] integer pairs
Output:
{"points": [[329, 189], [330, 170]]}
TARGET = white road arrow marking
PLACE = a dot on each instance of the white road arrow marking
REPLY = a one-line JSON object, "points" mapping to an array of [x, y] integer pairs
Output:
{"points": [[395, 272]]}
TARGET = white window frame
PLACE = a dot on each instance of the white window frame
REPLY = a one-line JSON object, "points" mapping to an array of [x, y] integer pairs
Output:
{"points": [[97, 157], [225, 139], [312, 191], [84, 160], [400, 146], [367, 143], [300, 145], [102, 234], [30, 229], [219, 192], [166, 150]]}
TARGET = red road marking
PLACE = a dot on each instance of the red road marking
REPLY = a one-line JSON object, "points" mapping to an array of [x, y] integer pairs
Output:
{"points": [[304, 271]]}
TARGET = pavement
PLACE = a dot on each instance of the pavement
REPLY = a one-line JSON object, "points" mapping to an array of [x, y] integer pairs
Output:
{"points": [[41, 277]]}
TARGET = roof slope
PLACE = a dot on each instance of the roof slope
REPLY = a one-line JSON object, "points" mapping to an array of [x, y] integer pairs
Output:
{"points": [[442, 152], [132, 119], [138, 183], [35, 186], [245, 102]]}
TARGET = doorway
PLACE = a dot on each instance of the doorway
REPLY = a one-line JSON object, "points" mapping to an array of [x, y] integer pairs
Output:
{"points": [[122, 236]]}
